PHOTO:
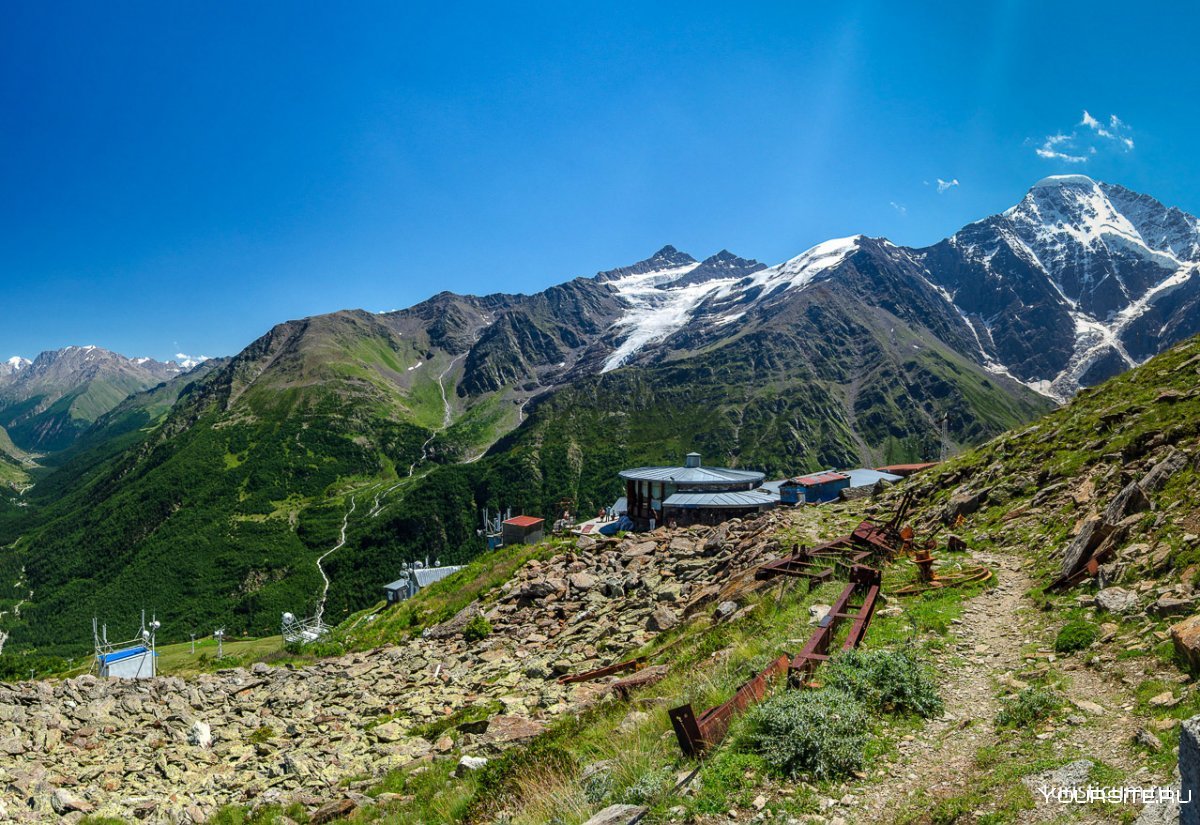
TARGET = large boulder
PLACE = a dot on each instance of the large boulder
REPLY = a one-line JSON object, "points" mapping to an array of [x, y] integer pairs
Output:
{"points": [[963, 504], [617, 815], [1189, 770], [661, 619], [1186, 636], [1092, 532], [454, 625], [1117, 600]]}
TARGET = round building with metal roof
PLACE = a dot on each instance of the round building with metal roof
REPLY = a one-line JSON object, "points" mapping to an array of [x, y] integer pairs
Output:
{"points": [[692, 494]]}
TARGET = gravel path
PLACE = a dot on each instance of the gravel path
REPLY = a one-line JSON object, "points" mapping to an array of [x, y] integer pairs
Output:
{"points": [[989, 643]]}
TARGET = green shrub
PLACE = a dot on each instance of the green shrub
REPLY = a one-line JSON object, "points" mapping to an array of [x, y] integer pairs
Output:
{"points": [[822, 733], [1030, 706], [261, 735], [650, 787], [885, 680], [1074, 636], [478, 628]]}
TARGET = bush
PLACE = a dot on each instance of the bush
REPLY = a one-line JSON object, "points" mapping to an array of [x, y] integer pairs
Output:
{"points": [[1028, 707], [818, 732], [885, 680], [1074, 636], [478, 628], [650, 787]]}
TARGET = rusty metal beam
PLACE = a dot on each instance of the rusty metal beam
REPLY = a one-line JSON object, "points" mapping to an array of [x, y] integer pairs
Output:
{"points": [[864, 583], [698, 734], [601, 672]]}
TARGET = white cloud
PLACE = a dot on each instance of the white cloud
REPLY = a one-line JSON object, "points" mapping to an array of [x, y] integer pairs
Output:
{"points": [[1086, 139], [943, 185], [900, 208], [188, 361]]}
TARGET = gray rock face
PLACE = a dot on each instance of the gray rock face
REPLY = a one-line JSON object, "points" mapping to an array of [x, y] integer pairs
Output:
{"points": [[1072, 775], [1117, 600], [617, 815], [1189, 771]]}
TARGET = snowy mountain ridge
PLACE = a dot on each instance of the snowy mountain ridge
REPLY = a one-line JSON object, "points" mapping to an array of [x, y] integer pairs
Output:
{"points": [[1076, 282]]}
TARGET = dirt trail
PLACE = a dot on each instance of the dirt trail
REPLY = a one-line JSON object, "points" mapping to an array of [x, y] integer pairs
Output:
{"points": [[341, 543], [987, 644], [447, 418]]}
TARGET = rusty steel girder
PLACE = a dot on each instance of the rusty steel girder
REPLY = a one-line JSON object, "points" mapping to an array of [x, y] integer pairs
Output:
{"points": [[864, 585], [601, 672], [697, 734]]}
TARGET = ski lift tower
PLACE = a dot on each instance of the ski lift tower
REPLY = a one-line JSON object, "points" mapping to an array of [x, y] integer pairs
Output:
{"points": [[131, 659], [302, 631]]}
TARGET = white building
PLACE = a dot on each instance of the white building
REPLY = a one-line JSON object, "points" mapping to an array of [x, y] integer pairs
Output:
{"points": [[130, 663]]}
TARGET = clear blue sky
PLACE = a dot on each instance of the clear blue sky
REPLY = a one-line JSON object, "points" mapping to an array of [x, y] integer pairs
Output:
{"points": [[177, 177]]}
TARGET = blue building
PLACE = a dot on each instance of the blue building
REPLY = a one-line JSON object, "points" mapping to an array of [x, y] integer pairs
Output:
{"points": [[813, 488]]}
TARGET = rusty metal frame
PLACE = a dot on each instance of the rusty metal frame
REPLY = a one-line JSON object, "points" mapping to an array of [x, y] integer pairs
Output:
{"points": [[601, 672], [697, 734], [864, 584]]}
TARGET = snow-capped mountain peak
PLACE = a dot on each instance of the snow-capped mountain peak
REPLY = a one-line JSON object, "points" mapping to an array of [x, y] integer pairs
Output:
{"points": [[18, 363], [663, 301]]}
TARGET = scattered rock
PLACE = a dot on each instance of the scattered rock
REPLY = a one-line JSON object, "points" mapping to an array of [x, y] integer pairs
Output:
{"points": [[470, 763], [65, 802], [1145, 737], [1072, 775], [1167, 606], [200, 735], [726, 609], [817, 612], [1166, 699], [1186, 636], [1117, 600], [661, 619], [332, 810], [454, 625], [617, 815]]}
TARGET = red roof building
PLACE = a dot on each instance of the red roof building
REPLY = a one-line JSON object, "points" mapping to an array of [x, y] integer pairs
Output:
{"points": [[523, 530]]}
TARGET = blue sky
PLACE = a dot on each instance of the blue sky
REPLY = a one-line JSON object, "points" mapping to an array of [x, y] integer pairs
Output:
{"points": [[177, 177]]}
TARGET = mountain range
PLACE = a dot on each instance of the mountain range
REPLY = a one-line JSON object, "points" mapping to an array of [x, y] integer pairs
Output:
{"points": [[208, 495]]}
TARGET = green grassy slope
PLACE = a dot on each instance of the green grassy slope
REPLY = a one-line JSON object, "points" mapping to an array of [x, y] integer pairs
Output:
{"points": [[1040, 481]]}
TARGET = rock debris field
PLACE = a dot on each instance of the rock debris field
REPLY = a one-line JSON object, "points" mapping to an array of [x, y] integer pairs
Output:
{"points": [[175, 750]]}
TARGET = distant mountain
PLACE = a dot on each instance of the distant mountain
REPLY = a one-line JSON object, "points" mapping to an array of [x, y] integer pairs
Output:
{"points": [[212, 497], [1076, 283], [46, 403]]}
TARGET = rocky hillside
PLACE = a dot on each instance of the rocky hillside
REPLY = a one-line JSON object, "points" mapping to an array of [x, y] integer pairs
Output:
{"points": [[46, 403], [1112, 474], [175, 750]]}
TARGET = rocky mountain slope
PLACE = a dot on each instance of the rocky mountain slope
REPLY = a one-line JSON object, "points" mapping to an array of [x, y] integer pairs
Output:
{"points": [[46, 403], [284, 734], [853, 352]]}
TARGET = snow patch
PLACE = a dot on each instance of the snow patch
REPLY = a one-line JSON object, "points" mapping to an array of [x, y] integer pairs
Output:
{"points": [[658, 309]]}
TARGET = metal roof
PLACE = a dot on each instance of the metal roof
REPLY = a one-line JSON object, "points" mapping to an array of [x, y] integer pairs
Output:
{"points": [[692, 475], [426, 576], [818, 478], [118, 655], [747, 499], [524, 521], [863, 477], [398, 584], [906, 469]]}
